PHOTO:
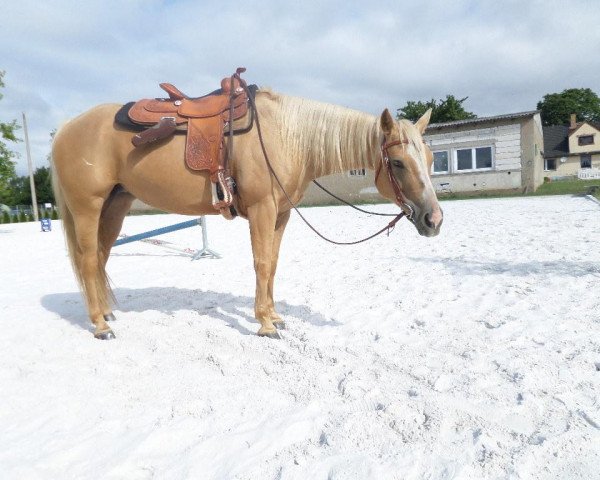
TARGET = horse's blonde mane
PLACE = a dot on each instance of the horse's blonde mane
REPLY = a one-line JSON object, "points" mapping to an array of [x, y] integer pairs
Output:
{"points": [[330, 138]]}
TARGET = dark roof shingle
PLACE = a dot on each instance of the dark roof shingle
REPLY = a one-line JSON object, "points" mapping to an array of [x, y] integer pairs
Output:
{"points": [[556, 141]]}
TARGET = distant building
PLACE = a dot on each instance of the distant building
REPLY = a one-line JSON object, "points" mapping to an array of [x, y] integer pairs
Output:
{"points": [[572, 150], [487, 153]]}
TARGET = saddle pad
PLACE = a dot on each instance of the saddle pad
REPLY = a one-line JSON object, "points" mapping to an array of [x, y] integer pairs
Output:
{"points": [[122, 119]]}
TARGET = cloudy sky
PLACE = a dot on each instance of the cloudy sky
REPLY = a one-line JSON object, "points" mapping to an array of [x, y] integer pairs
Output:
{"points": [[62, 57]]}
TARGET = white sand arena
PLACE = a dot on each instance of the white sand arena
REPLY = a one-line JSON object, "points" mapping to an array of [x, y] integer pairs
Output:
{"points": [[473, 355]]}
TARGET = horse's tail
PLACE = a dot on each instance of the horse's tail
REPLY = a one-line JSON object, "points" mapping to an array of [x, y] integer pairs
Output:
{"points": [[102, 285], [67, 220]]}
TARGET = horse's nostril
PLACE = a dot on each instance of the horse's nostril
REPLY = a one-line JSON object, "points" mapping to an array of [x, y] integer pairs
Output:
{"points": [[428, 221]]}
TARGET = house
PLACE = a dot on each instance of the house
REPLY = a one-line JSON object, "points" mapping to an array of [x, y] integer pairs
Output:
{"points": [[488, 153], [571, 150]]}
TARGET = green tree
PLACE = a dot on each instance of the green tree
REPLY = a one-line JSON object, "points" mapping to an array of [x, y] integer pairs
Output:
{"points": [[446, 110], [7, 165], [43, 185], [18, 191], [19, 188], [556, 108]]}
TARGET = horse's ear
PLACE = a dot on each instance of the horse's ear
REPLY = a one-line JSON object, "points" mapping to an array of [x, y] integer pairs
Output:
{"points": [[422, 122], [387, 122]]}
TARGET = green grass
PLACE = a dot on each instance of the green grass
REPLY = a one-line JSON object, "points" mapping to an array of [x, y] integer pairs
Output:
{"points": [[565, 187], [557, 187]]}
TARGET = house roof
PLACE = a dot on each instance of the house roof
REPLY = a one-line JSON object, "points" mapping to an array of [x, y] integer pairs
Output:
{"points": [[474, 121], [556, 141]]}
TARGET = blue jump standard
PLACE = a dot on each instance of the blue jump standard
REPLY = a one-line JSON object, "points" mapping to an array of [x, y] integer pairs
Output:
{"points": [[158, 231]]}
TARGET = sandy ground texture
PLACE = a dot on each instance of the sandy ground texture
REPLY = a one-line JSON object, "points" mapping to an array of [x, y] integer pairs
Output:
{"points": [[473, 355]]}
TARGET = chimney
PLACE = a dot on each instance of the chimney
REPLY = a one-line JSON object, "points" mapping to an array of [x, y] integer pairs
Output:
{"points": [[573, 120]]}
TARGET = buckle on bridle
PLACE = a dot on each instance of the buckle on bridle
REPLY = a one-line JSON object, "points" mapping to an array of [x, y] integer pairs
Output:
{"points": [[411, 211]]}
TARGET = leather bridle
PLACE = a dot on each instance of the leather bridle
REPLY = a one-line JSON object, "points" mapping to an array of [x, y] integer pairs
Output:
{"points": [[401, 199]]}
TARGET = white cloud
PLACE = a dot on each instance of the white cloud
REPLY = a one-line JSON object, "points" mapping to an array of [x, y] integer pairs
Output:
{"points": [[63, 57]]}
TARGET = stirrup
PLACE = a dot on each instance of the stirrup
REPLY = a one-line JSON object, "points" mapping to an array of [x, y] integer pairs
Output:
{"points": [[222, 202]]}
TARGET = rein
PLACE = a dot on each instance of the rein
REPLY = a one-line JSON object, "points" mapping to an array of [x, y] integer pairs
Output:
{"points": [[389, 227], [349, 204]]}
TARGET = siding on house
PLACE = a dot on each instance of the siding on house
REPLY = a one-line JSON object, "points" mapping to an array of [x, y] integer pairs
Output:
{"points": [[516, 141], [351, 188], [583, 130]]}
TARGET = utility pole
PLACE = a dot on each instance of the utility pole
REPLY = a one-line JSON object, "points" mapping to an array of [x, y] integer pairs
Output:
{"points": [[31, 182]]}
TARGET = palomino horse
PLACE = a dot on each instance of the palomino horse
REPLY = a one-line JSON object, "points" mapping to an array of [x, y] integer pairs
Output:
{"points": [[97, 174]]}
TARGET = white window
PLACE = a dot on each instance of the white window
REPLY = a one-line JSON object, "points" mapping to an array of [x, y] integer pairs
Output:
{"points": [[477, 158], [361, 172], [549, 164], [440, 162]]}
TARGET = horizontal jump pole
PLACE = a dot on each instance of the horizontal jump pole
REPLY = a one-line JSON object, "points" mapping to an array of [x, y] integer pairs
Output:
{"points": [[205, 252], [157, 232]]}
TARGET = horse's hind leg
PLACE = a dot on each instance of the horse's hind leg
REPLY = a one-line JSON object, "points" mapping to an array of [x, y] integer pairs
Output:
{"points": [[89, 262], [111, 220]]}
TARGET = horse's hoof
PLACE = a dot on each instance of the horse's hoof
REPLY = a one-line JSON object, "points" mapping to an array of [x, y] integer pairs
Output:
{"points": [[279, 325], [110, 317], [274, 335], [108, 335]]}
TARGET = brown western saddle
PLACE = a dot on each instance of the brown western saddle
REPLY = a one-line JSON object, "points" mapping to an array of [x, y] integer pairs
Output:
{"points": [[206, 118]]}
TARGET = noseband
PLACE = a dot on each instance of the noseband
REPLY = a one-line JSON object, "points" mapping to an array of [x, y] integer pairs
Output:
{"points": [[401, 199]]}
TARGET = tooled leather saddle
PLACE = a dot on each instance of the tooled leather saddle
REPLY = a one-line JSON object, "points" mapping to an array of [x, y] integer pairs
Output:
{"points": [[205, 120]]}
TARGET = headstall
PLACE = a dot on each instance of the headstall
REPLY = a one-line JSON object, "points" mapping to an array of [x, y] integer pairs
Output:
{"points": [[385, 160]]}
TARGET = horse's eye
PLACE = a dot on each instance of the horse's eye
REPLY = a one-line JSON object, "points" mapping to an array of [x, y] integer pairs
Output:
{"points": [[397, 164]]}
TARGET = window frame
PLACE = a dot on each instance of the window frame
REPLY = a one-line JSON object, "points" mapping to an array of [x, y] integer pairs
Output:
{"points": [[585, 157], [546, 167], [473, 159], [448, 153], [582, 143]]}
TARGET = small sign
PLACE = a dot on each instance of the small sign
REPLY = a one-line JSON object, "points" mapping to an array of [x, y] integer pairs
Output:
{"points": [[46, 225], [47, 205]]}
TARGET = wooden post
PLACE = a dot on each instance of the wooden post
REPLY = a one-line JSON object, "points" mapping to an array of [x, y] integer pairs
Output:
{"points": [[31, 181]]}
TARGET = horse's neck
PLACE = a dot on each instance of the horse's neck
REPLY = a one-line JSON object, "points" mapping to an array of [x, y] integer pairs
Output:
{"points": [[355, 150], [324, 139]]}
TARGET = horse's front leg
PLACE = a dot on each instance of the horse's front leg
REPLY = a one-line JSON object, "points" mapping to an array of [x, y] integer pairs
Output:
{"points": [[280, 225], [262, 218]]}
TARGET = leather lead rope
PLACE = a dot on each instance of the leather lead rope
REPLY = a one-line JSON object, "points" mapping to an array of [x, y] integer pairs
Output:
{"points": [[350, 205], [389, 227]]}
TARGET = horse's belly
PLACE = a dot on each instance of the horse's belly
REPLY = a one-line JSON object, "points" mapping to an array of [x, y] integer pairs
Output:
{"points": [[160, 179]]}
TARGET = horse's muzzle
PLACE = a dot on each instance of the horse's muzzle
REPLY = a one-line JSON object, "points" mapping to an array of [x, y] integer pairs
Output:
{"points": [[428, 222]]}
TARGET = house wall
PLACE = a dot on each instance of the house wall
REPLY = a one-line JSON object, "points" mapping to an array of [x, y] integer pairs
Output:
{"points": [[351, 188], [532, 162], [505, 140], [570, 166], [584, 129]]}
